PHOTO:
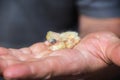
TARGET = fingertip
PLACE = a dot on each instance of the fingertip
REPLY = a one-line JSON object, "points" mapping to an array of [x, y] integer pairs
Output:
{"points": [[115, 54], [38, 48], [16, 72], [3, 50]]}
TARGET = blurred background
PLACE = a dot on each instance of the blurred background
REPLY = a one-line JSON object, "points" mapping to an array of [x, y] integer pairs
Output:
{"points": [[24, 22]]}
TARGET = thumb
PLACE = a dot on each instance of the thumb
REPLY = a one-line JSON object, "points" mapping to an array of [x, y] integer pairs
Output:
{"points": [[113, 53]]}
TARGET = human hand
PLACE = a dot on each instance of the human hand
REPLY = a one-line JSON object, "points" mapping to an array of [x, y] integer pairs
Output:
{"points": [[94, 52]]}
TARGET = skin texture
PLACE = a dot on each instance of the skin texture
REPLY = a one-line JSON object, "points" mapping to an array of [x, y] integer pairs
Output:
{"points": [[95, 51]]}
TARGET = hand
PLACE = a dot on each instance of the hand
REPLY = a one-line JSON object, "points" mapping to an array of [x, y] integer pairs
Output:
{"points": [[94, 52]]}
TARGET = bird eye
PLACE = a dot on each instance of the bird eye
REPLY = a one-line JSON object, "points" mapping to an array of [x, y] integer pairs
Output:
{"points": [[52, 41]]}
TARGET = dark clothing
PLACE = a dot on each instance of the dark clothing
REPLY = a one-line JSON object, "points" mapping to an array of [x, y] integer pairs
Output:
{"points": [[99, 8], [24, 22]]}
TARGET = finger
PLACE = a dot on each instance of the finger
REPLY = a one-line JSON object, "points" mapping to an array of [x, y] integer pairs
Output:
{"points": [[4, 63], [71, 63], [40, 50], [21, 55], [38, 47], [3, 51], [113, 53], [6, 59]]}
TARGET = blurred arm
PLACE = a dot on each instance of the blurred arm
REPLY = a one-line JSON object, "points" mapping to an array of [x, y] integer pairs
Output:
{"points": [[88, 25], [99, 15]]}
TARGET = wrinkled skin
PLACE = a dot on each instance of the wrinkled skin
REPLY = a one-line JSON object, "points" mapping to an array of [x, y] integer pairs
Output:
{"points": [[94, 52]]}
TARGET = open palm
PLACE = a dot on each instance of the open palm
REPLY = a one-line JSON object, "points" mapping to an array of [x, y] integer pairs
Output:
{"points": [[94, 52]]}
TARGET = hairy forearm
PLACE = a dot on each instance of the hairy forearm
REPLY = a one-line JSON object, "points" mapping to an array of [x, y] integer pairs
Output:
{"points": [[89, 25]]}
